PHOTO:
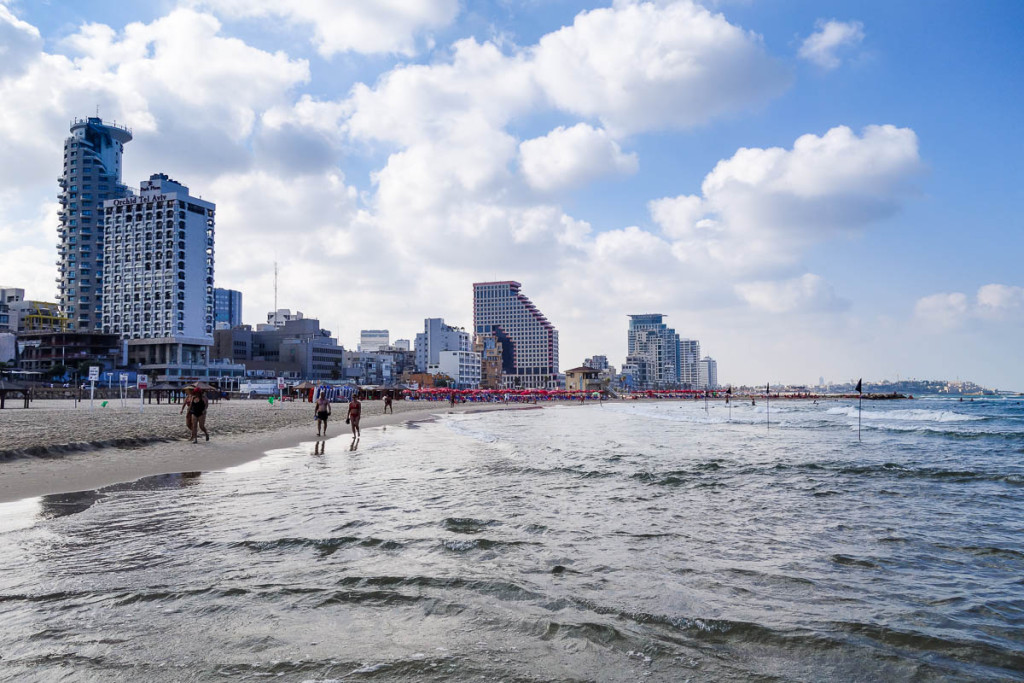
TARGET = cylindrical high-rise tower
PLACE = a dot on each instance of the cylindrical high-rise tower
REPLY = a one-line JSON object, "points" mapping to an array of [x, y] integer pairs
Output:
{"points": [[92, 174]]}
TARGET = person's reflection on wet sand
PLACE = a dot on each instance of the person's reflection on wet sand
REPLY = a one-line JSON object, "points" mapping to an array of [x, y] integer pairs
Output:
{"points": [[354, 446], [318, 448]]}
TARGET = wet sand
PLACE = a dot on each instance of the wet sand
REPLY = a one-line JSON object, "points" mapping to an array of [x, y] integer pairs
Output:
{"points": [[55, 447]]}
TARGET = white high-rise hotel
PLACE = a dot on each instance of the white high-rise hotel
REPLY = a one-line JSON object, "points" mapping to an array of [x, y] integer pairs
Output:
{"points": [[158, 283], [529, 341]]}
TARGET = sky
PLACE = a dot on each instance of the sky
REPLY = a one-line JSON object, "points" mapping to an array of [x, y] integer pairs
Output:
{"points": [[813, 189]]}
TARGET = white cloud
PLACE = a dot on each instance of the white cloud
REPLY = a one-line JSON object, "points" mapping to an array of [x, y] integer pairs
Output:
{"points": [[993, 302], [643, 66], [191, 95], [680, 217], [761, 208], [569, 157], [424, 103], [27, 241], [831, 37], [944, 310], [809, 292], [19, 43], [1000, 300], [379, 26]]}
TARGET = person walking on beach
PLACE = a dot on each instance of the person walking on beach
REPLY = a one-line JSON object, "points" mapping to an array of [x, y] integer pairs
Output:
{"points": [[355, 410], [387, 404], [197, 407], [322, 410], [188, 413]]}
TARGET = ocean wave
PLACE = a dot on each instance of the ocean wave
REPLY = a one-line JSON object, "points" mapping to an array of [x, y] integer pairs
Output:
{"points": [[323, 546], [964, 432], [911, 415], [936, 473]]}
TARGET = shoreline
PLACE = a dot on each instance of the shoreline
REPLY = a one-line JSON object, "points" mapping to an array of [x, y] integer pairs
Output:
{"points": [[126, 446], [68, 468]]}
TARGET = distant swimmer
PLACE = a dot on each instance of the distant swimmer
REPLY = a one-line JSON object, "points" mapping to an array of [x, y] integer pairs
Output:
{"points": [[322, 410], [355, 410]]}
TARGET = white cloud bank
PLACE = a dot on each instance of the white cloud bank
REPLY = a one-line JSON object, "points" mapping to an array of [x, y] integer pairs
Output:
{"points": [[761, 208], [644, 66], [832, 37], [459, 197], [949, 310], [807, 293], [363, 26]]}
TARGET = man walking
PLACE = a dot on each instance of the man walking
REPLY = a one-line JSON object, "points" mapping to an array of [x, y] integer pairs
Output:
{"points": [[322, 410]]}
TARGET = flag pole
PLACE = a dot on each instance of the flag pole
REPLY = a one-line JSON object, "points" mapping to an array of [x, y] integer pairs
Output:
{"points": [[860, 405], [768, 404]]}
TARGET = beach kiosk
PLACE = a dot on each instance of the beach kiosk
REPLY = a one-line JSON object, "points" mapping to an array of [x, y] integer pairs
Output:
{"points": [[8, 387]]}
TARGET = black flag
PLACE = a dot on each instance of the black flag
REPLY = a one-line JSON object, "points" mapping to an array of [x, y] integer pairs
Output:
{"points": [[729, 391], [858, 386], [768, 388]]}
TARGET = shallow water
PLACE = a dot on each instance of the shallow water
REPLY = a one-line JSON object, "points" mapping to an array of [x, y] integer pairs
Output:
{"points": [[624, 542]]}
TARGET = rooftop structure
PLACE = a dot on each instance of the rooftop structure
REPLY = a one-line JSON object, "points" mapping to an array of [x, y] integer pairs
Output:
{"points": [[372, 340]]}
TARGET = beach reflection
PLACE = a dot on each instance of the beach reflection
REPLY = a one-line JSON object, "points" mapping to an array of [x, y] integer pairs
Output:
{"points": [[63, 504]]}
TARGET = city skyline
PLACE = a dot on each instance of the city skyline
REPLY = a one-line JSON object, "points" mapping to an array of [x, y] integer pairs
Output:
{"points": [[798, 201]]}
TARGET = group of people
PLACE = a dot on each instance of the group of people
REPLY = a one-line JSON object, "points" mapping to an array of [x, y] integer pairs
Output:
{"points": [[322, 411], [196, 403]]}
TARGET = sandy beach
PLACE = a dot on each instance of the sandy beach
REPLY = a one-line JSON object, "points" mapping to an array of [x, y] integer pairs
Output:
{"points": [[58, 447]]}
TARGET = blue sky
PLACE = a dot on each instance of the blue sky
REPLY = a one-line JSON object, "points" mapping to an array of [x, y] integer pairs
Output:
{"points": [[809, 188]]}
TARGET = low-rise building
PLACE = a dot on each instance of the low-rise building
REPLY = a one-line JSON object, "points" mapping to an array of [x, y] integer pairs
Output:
{"points": [[462, 366], [40, 351], [8, 296], [299, 348], [368, 368], [491, 360], [583, 378], [36, 316]]}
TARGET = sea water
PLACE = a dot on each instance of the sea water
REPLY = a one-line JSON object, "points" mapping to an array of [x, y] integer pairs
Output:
{"points": [[653, 541]]}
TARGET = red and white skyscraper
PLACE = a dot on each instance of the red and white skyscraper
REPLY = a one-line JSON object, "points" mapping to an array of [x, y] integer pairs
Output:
{"points": [[529, 341]]}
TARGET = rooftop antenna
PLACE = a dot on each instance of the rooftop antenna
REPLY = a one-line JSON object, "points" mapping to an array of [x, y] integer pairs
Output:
{"points": [[275, 292]]}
